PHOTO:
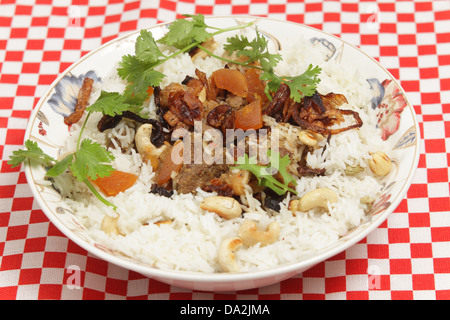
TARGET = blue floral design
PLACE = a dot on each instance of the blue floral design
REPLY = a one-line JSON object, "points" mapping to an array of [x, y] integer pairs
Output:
{"points": [[377, 91], [390, 103], [64, 99], [330, 47]]}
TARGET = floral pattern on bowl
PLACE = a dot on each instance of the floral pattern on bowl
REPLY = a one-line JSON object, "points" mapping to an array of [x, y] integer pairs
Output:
{"points": [[64, 99], [390, 102], [328, 45]]}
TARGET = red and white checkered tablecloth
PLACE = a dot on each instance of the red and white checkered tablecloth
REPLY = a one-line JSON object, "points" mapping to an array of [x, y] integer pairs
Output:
{"points": [[409, 253]]}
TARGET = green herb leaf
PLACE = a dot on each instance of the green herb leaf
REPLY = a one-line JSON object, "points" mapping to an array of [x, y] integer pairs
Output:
{"points": [[140, 75], [255, 50], [184, 32], [146, 48], [91, 161], [136, 91], [246, 163], [273, 82], [131, 65], [109, 103], [33, 153], [60, 166], [281, 164], [305, 84], [265, 174]]}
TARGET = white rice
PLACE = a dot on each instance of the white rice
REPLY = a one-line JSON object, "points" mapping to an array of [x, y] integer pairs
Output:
{"points": [[192, 240]]}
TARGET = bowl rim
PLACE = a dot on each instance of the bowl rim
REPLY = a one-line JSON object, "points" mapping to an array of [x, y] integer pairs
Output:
{"points": [[200, 277]]}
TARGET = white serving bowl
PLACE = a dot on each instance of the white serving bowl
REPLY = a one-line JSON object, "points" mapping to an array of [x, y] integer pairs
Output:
{"points": [[47, 128]]}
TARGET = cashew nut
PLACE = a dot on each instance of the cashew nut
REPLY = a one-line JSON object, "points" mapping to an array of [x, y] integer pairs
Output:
{"points": [[317, 198], [380, 164], [250, 235], [226, 207], [293, 205], [145, 147], [109, 225], [225, 254], [307, 138]]}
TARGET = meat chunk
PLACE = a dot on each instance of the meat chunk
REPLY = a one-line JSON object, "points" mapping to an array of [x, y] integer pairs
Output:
{"points": [[220, 186], [192, 176]]}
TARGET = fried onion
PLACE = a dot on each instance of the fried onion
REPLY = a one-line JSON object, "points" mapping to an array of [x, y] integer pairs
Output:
{"points": [[318, 113], [82, 102]]}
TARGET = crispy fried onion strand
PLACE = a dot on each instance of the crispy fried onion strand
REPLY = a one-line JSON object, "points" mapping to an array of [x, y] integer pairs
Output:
{"points": [[317, 113], [82, 102]]}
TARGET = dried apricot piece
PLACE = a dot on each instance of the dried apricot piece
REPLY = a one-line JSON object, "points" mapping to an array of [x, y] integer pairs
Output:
{"points": [[231, 80], [117, 182]]}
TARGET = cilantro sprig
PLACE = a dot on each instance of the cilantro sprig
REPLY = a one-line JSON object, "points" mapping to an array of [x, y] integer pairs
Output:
{"points": [[110, 103], [89, 162], [184, 32], [139, 70], [265, 174], [300, 86], [32, 152], [257, 50]]}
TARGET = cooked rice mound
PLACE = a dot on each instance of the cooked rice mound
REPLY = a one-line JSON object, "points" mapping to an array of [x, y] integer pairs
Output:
{"points": [[192, 238]]}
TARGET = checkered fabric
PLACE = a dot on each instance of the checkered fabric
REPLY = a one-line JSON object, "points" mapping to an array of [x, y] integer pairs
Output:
{"points": [[407, 257]]}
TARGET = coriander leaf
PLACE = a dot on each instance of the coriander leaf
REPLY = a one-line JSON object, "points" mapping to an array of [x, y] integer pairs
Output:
{"points": [[245, 163], [146, 78], [91, 161], [265, 174], [304, 84], [146, 48], [237, 44], [278, 165], [33, 153], [136, 91], [255, 50], [184, 32], [109, 103], [60, 166], [131, 65], [273, 82], [275, 185], [300, 86], [281, 164], [139, 75]]}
